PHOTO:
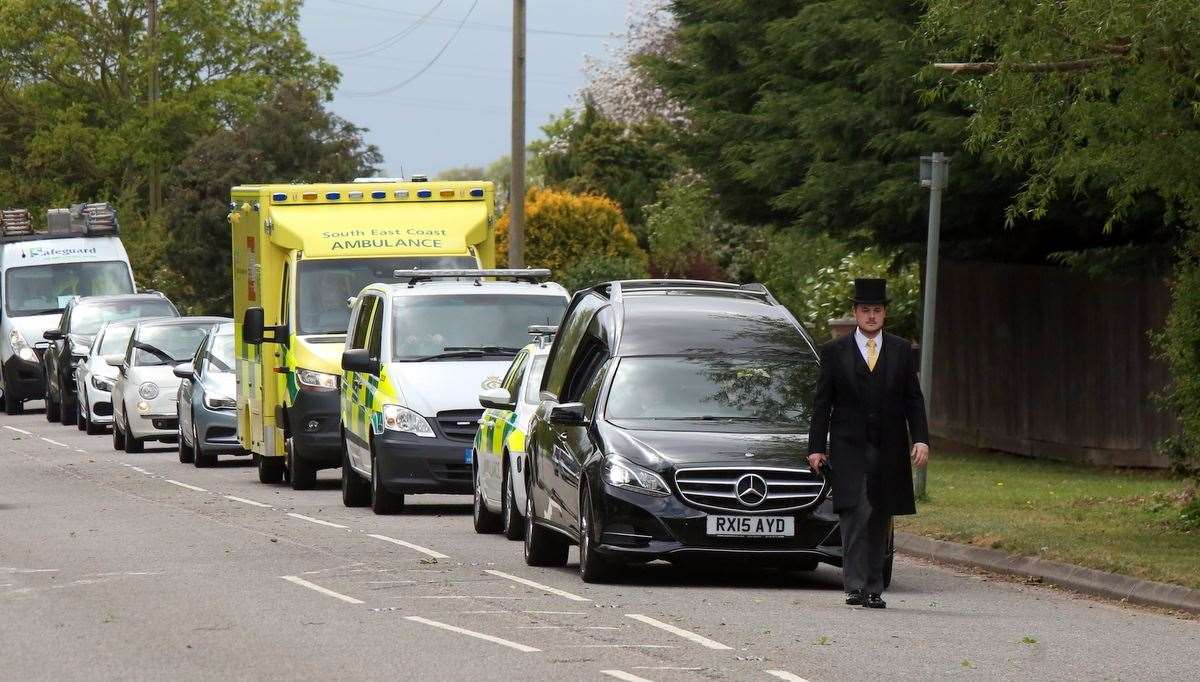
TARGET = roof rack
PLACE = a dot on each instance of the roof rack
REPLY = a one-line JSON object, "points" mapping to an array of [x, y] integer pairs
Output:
{"points": [[15, 222], [95, 219], [518, 275], [615, 290], [543, 334]]}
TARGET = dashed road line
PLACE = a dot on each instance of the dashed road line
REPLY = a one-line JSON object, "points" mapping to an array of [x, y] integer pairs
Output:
{"points": [[525, 648], [785, 675], [402, 543], [310, 519], [13, 428], [622, 675], [140, 470], [54, 442], [245, 501], [85, 452], [186, 485], [537, 586], [317, 588], [688, 635]]}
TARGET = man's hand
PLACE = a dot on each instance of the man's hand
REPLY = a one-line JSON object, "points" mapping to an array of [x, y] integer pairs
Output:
{"points": [[920, 454], [815, 460]]}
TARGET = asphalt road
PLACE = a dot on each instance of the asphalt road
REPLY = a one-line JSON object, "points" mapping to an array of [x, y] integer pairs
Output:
{"points": [[138, 567]]}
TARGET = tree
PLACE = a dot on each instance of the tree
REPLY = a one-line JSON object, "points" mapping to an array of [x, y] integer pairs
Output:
{"points": [[290, 138], [680, 225]]}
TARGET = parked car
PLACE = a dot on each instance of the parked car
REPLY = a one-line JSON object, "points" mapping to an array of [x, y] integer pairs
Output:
{"points": [[72, 338], [500, 442], [673, 426], [207, 401], [144, 394], [94, 378]]}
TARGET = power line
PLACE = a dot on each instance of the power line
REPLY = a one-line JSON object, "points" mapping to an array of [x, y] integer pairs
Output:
{"points": [[474, 24], [428, 65], [388, 42]]}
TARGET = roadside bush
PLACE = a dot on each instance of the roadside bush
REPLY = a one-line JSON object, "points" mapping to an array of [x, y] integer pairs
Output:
{"points": [[565, 230], [679, 225], [1179, 346], [596, 270]]}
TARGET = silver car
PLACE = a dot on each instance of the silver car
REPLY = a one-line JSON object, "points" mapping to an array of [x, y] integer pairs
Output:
{"points": [[207, 401], [94, 379], [144, 394]]}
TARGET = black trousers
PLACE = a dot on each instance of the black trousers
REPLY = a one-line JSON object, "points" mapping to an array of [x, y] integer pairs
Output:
{"points": [[864, 545]]}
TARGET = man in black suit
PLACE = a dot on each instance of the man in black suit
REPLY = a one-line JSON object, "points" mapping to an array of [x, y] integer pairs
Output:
{"points": [[868, 404]]}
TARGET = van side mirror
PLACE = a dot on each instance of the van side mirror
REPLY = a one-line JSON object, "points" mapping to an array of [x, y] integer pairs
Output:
{"points": [[252, 326], [497, 399], [184, 370], [568, 414], [52, 335], [360, 360]]}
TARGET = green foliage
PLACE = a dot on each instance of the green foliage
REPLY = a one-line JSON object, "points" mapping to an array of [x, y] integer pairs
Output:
{"points": [[1179, 345], [563, 230], [679, 226], [593, 271]]}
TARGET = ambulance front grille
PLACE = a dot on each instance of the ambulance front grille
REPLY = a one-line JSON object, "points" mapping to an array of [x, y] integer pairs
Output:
{"points": [[459, 425]]}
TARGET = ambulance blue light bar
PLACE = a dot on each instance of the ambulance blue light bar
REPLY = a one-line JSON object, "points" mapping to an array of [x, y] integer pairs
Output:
{"points": [[333, 196], [378, 195], [477, 192], [279, 196], [424, 193]]}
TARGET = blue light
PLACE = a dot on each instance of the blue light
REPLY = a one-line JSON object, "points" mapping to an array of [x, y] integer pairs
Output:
{"points": [[279, 196], [333, 196], [477, 192], [378, 195], [424, 193]]}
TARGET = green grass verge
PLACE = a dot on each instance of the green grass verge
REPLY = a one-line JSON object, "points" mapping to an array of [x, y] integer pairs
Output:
{"points": [[1122, 521]]}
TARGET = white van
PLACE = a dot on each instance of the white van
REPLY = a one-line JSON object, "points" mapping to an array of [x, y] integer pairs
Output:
{"points": [[79, 254]]}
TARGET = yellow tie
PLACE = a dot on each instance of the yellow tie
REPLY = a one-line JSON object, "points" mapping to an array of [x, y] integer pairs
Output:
{"points": [[872, 356]]}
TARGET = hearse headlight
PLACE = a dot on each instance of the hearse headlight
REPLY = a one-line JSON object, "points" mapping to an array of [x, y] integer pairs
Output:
{"points": [[622, 473], [404, 420]]}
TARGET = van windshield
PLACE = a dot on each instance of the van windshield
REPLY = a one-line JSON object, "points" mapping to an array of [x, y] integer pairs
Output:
{"points": [[323, 286], [46, 289], [467, 326]]}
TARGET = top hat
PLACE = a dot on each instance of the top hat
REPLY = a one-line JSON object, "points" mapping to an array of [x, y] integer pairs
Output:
{"points": [[870, 292]]}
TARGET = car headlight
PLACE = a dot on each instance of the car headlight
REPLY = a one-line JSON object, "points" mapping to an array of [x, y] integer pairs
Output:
{"points": [[219, 402], [102, 383], [148, 390], [311, 380], [23, 350], [622, 473], [404, 420]]}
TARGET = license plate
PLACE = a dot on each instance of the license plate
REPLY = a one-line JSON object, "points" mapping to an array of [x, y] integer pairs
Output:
{"points": [[752, 526]]}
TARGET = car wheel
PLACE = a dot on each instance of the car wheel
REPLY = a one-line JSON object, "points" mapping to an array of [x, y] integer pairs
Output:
{"points": [[133, 444], [92, 428], [356, 491], [593, 567], [52, 411], [270, 469], [118, 436], [510, 518], [80, 415], [485, 521], [543, 547], [67, 409], [383, 501], [12, 405], [301, 473], [187, 453]]}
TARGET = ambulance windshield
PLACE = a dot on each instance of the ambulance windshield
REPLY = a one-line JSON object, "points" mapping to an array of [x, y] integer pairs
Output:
{"points": [[324, 286], [45, 289]]}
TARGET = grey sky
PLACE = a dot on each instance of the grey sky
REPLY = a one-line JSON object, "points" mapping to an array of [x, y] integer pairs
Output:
{"points": [[456, 112]]}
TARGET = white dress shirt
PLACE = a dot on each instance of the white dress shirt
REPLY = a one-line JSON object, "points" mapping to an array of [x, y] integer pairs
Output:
{"points": [[861, 339]]}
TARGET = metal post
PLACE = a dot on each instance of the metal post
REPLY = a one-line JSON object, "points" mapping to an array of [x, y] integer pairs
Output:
{"points": [[516, 224], [152, 98], [935, 175]]}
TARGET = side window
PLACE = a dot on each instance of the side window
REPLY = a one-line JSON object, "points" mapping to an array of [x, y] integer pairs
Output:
{"points": [[512, 380], [284, 310], [575, 325], [64, 323], [592, 354], [362, 321], [593, 388], [374, 345], [198, 359]]}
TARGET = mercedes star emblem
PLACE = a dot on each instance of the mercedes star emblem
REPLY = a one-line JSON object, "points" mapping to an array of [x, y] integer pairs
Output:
{"points": [[751, 490]]}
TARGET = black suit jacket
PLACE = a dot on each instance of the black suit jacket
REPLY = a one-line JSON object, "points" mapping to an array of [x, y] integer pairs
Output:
{"points": [[839, 423]]}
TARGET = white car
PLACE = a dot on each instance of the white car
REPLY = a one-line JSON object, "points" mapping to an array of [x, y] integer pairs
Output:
{"points": [[144, 394], [94, 378]]}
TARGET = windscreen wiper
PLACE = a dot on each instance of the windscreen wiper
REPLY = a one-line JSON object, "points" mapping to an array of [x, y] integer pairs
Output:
{"points": [[156, 352], [461, 353], [489, 350], [46, 311]]}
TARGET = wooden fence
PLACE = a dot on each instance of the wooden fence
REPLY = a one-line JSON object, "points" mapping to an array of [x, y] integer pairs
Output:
{"points": [[1046, 362]]}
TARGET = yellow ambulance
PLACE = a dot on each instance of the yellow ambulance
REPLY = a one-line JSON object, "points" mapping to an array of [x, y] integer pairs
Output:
{"points": [[301, 253]]}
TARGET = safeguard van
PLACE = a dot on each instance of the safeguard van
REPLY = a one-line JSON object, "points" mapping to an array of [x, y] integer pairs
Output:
{"points": [[301, 253], [79, 254]]}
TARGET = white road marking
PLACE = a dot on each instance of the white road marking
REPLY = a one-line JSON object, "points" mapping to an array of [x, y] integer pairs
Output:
{"points": [[537, 586], [54, 442], [481, 612], [402, 543], [249, 502], [13, 428], [84, 452], [186, 485], [310, 519], [9, 569], [691, 636], [327, 592], [558, 613], [140, 470], [624, 646], [662, 667], [622, 675], [785, 675], [471, 633]]}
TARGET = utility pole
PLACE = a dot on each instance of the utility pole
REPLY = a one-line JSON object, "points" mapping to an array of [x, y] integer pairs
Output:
{"points": [[935, 175], [152, 98], [516, 224]]}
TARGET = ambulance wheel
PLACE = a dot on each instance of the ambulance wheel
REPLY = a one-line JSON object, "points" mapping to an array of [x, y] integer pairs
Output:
{"points": [[12, 404], [118, 436], [356, 491], [301, 473], [513, 526], [543, 547], [383, 501], [485, 521], [270, 469]]}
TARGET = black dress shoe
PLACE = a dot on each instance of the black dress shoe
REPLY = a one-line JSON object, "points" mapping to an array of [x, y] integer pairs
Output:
{"points": [[856, 598], [874, 601]]}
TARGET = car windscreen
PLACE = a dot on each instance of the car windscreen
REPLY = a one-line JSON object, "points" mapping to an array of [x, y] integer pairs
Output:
{"points": [[220, 354], [115, 340], [87, 318], [168, 344], [768, 391], [466, 326], [324, 286], [46, 289], [532, 394]]}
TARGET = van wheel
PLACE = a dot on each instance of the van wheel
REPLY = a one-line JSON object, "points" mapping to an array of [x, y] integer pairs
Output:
{"points": [[301, 473], [270, 469], [512, 524], [118, 436], [485, 521], [356, 491], [593, 567], [383, 501], [12, 405], [543, 547]]}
